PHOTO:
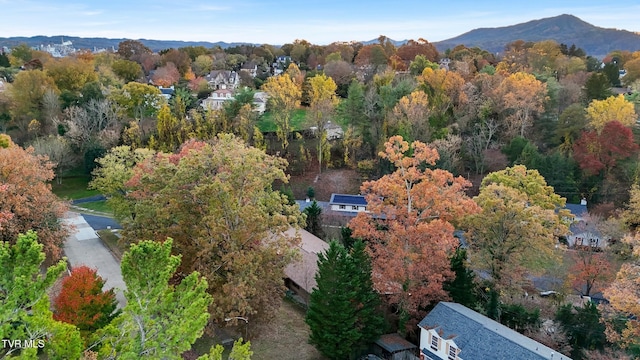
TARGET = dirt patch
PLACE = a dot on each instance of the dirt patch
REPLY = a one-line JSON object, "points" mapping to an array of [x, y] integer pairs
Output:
{"points": [[341, 181]]}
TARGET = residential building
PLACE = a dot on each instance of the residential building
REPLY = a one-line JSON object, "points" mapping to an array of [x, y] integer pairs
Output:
{"points": [[251, 68], [583, 231], [454, 332], [223, 79], [348, 203], [167, 91], [301, 275]]}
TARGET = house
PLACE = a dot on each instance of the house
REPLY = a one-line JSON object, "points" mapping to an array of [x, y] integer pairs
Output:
{"points": [[348, 203], [454, 332], [166, 92], [334, 131], [223, 79], [583, 231], [300, 275], [217, 99], [260, 102], [251, 68]]}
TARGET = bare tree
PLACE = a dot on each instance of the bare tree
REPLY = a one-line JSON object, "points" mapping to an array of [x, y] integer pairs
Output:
{"points": [[97, 121], [59, 152]]}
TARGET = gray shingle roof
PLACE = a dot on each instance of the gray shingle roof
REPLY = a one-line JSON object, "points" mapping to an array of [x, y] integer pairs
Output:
{"points": [[480, 338]]}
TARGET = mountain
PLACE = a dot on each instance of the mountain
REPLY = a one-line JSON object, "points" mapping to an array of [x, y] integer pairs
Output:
{"points": [[565, 29], [90, 43]]}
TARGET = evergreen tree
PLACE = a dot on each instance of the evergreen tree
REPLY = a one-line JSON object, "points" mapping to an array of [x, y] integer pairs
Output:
{"points": [[314, 219], [342, 311], [370, 323], [461, 287], [583, 328]]}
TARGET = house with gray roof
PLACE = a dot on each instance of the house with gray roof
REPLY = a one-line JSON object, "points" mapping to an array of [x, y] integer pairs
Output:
{"points": [[583, 231], [454, 332]]}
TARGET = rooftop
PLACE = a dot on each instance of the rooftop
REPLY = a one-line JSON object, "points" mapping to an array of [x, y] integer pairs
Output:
{"points": [[481, 338], [344, 199]]}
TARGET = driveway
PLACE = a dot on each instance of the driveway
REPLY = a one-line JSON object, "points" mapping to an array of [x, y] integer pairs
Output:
{"points": [[84, 247]]}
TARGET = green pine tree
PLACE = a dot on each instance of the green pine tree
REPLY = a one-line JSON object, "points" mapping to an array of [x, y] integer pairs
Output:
{"points": [[342, 311], [370, 322], [461, 287], [314, 219]]}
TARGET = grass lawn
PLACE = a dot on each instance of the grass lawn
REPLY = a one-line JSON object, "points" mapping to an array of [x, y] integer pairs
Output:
{"points": [[284, 338], [298, 121], [73, 188], [110, 240], [101, 206]]}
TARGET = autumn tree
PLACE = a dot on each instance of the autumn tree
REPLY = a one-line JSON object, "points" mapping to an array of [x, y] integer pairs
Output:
{"points": [[346, 321], [28, 198], [127, 70], [590, 271], [130, 49], [26, 93], [59, 152], [82, 302], [113, 171], [601, 151], [516, 230], [24, 309], [216, 201], [410, 117], [322, 103], [522, 98], [284, 98], [444, 89], [409, 226], [613, 108], [138, 100], [71, 74], [166, 75], [160, 320], [621, 318]]}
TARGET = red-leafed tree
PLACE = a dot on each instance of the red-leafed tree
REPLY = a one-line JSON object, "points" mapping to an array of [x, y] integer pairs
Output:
{"points": [[591, 270], [82, 302], [600, 152], [409, 226]]}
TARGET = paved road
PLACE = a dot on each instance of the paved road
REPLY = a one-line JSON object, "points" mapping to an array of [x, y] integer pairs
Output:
{"points": [[101, 222], [85, 248]]}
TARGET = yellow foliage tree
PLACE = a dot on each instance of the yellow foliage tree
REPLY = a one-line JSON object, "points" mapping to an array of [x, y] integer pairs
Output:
{"points": [[613, 108], [284, 98], [410, 117], [522, 96], [322, 104]]}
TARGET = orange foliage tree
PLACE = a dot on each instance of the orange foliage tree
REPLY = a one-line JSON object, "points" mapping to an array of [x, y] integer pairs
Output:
{"points": [[82, 302], [590, 271], [409, 226], [26, 201]]}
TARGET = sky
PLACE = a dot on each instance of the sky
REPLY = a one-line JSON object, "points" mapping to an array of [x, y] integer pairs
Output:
{"points": [[283, 21]]}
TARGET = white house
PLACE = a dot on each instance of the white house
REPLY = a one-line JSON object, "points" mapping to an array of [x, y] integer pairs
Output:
{"points": [[454, 332], [348, 203], [583, 230]]}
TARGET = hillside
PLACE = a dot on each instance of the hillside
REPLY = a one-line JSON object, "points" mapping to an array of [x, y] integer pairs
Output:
{"points": [[90, 43], [566, 29]]}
